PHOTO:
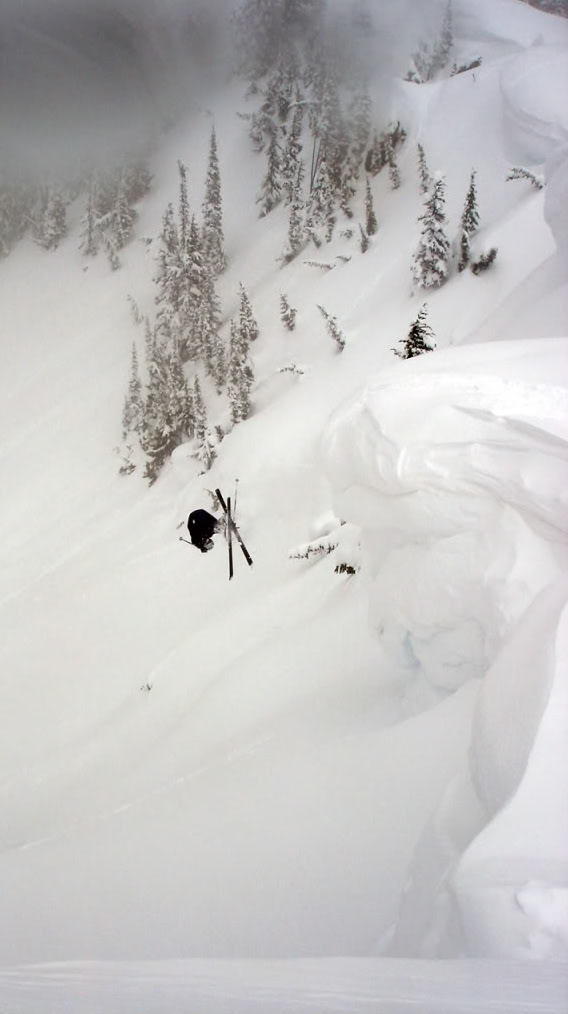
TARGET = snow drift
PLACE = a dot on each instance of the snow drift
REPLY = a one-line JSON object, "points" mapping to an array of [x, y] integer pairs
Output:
{"points": [[455, 467]]}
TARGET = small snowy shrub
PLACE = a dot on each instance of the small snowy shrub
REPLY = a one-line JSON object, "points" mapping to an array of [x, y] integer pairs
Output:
{"points": [[484, 262]]}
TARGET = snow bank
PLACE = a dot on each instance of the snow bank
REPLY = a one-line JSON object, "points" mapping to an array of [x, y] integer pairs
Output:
{"points": [[455, 466]]}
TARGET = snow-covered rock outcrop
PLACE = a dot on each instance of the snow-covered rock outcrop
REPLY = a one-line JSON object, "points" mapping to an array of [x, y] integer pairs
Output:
{"points": [[455, 467]]}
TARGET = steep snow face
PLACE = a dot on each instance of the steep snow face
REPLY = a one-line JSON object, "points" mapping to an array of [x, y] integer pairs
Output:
{"points": [[511, 884], [456, 468]]}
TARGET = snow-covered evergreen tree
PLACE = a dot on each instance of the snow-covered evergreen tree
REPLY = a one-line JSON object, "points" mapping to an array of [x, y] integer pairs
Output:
{"points": [[371, 224], [419, 338], [364, 239], [424, 175], [287, 313], [183, 207], [431, 260], [519, 173], [132, 409], [296, 230], [333, 329], [240, 374], [270, 190], [212, 234], [122, 217], [321, 202], [291, 154], [191, 290], [484, 262], [248, 327], [390, 154], [90, 238], [51, 219], [168, 408], [169, 272], [468, 223]]}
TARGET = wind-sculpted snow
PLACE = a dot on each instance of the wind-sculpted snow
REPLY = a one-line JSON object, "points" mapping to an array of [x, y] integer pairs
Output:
{"points": [[455, 466]]}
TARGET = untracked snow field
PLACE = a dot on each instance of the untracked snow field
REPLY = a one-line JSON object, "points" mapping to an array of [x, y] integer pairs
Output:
{"points": [[302, 789]]}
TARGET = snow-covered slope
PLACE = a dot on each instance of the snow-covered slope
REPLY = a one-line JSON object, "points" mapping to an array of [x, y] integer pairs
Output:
{"points": [[301, 764]]}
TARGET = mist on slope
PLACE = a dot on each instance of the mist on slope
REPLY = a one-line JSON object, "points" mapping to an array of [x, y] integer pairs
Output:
{"points": [[85, 81]]}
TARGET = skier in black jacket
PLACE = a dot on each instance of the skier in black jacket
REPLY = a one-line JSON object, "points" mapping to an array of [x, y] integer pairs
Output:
{"points": [[202, 526]]}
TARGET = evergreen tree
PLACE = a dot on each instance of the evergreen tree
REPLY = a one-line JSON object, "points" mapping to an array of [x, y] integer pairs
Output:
{"points": [[394, 172], [89, 231], [430, 265], [484, 262], [168, 409], [371, 224], [240, 374], [364, 240], [248, 327], [287, 313], [468, 224], [168, 278], [333, 131], [50, 220], [296, 232], [425, 178], [213, 240], [191, 289], [270, 191], [111, 250], [518, 173], [419, 338], [333, 329], [122, 217], [132, 410], [321, 202], [183, 211], [291, 155]]}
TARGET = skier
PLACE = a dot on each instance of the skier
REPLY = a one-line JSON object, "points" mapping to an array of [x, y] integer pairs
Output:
{"points": [[201, 526]]}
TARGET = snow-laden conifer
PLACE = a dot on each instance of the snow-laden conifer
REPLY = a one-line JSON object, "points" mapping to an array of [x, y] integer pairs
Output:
{"points": [[183, 207], [468, 223], [212, 234], [431, 260], [240, 374], [424, 175], [296, 228], [291, 154], [191, 288], [50, 219], [287, 313], [90, 238], [371, 224], [121, 217], [332, 327], [390, 154], [248, 327], [484, 262], [270, 188], [519, 173], [419, 338], [321, 202]]}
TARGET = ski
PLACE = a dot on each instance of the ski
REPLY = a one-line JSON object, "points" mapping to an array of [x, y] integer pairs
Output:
{"points": [[234, 528], [230, 536]]}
